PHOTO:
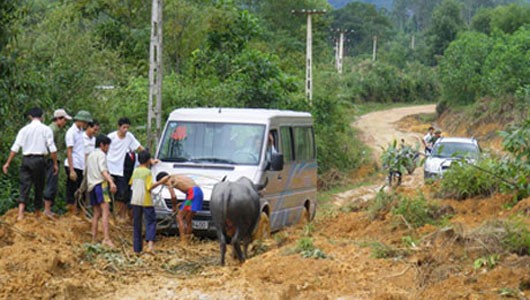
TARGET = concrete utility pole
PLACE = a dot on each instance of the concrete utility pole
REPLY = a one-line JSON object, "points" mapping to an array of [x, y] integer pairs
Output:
{"points": [[374, 48], [336, 53], [340, 51], [309, 42], [154, 111]]}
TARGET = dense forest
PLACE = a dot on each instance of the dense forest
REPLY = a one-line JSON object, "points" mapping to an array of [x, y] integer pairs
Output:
{"points": [[248, 53]]}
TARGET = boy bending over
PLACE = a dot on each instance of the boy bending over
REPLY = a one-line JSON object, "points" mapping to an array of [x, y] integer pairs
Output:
{"points": [[191, 204]]}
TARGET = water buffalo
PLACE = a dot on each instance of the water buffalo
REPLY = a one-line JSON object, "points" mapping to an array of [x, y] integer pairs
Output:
{"points": [[235, 209]]}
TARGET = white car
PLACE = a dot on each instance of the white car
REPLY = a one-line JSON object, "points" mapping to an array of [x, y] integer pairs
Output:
{"points": [[445, 151]]}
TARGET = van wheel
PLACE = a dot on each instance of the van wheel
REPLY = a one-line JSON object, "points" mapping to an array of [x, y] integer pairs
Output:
{"points": [[263, 230], [304, 217]]}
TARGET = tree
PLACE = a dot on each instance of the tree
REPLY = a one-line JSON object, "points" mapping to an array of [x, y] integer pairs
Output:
{"points": [[446, 23], [365, 21], [461, 68], [510, 18], [507, 67]]}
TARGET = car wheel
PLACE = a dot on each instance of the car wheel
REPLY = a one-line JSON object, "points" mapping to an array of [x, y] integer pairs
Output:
{"points": [[263, 230]]}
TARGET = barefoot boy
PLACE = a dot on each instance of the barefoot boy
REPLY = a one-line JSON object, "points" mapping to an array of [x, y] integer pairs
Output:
{"points": [[99, 181], [142, 204], [191, 204]]}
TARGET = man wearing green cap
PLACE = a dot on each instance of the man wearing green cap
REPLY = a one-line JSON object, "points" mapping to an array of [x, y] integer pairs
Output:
{"points": [[75, 157]]}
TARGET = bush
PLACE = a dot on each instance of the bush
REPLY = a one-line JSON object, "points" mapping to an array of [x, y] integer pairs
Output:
{"points": [[464, 180], [517, 238], [381, 205], [385, 83], [416, 211], [382, 250], [516, 166]]}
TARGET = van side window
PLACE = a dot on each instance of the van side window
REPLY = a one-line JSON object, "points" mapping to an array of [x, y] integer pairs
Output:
{"points": [[304, 144], [287, 144]]}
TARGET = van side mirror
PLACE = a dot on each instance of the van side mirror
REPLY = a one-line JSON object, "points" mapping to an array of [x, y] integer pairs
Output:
{"points": [[276, 163]]}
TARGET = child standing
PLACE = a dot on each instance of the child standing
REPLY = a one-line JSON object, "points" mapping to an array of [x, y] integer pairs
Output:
{"points": [[142, 205], [98, 183]]}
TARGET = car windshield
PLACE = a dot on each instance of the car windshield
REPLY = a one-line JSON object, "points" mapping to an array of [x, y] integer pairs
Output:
{"points": [[208, 142], [455, 149]]}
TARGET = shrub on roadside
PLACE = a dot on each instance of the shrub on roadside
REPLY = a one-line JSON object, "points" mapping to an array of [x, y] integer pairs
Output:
{"points": [[416, 211], [464, 180], [381, 205], [382, 250], [501, 236], [517, 238]]}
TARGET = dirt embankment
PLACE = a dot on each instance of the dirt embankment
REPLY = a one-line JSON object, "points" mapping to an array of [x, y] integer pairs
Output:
{"points": [[52, 260]]}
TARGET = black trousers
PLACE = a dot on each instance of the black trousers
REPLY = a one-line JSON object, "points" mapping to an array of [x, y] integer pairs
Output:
{"points": [[52, 181], [32, 172], [72, 186]]}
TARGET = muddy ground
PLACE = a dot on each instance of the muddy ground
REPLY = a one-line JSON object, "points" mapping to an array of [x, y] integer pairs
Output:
{"points": [[45, 259]]}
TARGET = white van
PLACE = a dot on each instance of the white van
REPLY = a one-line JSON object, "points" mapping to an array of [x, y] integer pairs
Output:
{"points": [[276, 147]]}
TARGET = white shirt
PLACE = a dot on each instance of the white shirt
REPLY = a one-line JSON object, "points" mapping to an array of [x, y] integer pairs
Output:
{"points": [[117, 150], [96, 165], [74, 138], [34, 139], [427, 139], [90, 143]]}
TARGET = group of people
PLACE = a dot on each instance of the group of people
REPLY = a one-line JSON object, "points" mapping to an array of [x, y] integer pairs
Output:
{"points": [[105, 164], [430, 139]]}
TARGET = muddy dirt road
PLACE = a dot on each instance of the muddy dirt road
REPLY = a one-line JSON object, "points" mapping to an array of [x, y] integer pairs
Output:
{"points": [[378, 129], [343, 254]]}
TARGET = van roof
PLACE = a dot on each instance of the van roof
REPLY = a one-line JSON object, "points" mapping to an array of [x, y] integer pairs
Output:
{"points": [[254, 115]]}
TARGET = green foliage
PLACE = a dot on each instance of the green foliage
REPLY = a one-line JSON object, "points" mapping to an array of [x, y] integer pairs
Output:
{"points": [[365, 21], [461, 69], [382, 250], [385, 83], [400, 158], [8, 194], [463, 180], [307, 249], [489, 261], [477, 65], [507, 68], [332, 125], [446, 23], [381, 205], [516, 167], [410, 241], [416, 211], [517, 238], [510, 18]]}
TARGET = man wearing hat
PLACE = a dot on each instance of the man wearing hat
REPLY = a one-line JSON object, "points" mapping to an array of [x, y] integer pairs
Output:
{"points": [[75, 157], [36, 141], [60, 118]]}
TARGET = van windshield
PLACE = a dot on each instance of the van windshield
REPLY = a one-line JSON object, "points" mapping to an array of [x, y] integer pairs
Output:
{"points": [[208, 142]]}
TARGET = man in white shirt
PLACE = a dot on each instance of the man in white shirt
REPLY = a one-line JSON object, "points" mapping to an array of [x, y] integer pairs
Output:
{"points": [[427, 140], [122, 142], [75, 157], [36, 140], [89, 136]]}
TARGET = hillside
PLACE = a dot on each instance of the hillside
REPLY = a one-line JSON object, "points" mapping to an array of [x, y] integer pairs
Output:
{"points": [[354, 249]]}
